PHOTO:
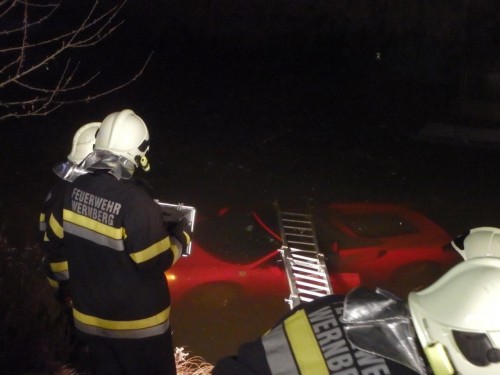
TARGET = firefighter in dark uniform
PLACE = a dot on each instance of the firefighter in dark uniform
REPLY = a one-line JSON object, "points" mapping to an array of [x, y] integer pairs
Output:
{"points": [[118, 249], [451, 327], [67, 171]]}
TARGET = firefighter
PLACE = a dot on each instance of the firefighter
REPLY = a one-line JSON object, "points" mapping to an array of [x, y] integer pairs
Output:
{"points": [[67, 171], [451, 327], [118, 249]]}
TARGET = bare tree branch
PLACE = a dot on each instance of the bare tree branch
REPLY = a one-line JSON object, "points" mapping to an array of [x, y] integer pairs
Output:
{"points": [[53, 8], [37, 73], [43, 105]]}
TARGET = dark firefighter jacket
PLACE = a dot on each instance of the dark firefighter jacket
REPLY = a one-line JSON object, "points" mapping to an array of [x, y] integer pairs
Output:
{"points": [[310, 340], [117, 250], [56, 264]]}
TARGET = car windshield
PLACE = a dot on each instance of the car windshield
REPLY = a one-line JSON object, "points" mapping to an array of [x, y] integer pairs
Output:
{"points": [[235, 237], [378, 225]]}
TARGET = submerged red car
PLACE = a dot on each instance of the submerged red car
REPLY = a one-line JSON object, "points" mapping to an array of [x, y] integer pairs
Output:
{"points": [[385, 245], [233, 286]]}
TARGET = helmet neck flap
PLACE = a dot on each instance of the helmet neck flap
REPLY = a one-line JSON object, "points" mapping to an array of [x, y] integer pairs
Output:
{"points": [[68, 171], [118, 166], [379, 322]]}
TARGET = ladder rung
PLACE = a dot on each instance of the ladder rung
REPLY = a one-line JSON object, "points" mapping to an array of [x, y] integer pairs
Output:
{"points": [[312, 286], [297, 221], [308, 265], [301, 229], [301, 257], [303, 233], [300, 242], [310, 271], [295, 214], [305, 257], [311, 278], [312, 293], [300, 238], [294, 251]]}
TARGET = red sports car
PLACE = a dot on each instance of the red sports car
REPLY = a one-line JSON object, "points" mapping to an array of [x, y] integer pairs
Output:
{"points": [[385, 245]]}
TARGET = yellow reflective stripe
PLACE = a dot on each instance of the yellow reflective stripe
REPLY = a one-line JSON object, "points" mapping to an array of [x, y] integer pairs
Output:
{"points": [[304, 345], [86, 222], [42, 218], [45, 238], [59, 266], [56, 227], [53, 283], [119, 325], [152, 251], [438, 359], [177, 252], [176, 248]]}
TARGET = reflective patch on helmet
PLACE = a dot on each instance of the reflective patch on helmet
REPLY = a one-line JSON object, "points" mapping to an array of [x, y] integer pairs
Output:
{"points": [[143, 162]]}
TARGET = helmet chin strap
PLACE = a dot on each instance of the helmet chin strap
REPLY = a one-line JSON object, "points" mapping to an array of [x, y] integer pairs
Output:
{"points": [[438, 359]]}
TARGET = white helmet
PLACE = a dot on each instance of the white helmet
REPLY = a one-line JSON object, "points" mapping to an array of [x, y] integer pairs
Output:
{"points": [[478, 242], [456, 319], [83, 142], [124, 134]]}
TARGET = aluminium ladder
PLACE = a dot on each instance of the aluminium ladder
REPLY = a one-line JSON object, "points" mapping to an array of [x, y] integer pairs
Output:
{"points": [[304, 264]]}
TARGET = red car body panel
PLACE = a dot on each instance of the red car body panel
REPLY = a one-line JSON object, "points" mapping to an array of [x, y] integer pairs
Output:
{"points": [[265, 277]]}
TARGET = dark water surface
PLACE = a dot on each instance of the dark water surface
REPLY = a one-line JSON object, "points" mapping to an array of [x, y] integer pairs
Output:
{"points": [[247, 137]]}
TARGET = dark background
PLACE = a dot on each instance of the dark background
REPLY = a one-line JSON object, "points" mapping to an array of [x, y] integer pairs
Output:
{"points": [[249, 102]]}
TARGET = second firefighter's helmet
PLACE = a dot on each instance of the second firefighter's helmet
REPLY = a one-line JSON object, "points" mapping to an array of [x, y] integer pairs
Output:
{"points": [[456, 319], [124, 134], [478, 242], [83, 142]]}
